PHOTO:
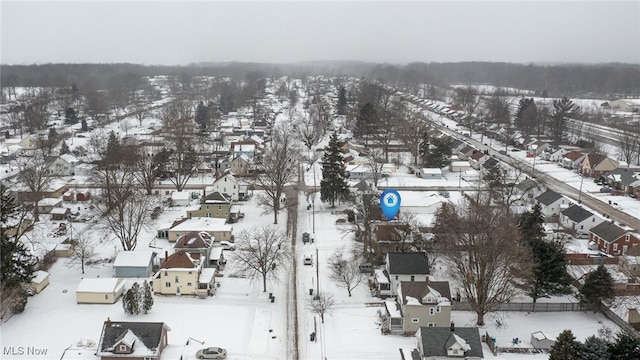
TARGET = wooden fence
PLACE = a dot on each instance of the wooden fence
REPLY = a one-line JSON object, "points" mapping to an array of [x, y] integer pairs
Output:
{"points": [[528, 306]]}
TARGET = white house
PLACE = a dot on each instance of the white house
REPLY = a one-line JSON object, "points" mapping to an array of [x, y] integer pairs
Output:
{"points": [[63, 165], [180, 198], [579, 219], [552, 203], [401, 267], [228, 184]]}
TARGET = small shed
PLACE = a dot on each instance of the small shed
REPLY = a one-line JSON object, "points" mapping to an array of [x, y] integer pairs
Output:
{"points": [[40, 280], [180, 198], [99, 291], [60, 213], [83, 196], [137, 264], [539, 340], [430, 173], [216, 256], [64, 250]]}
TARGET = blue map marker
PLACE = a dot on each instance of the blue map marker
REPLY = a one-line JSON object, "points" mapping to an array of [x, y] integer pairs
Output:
{"points": [[390, 203]]}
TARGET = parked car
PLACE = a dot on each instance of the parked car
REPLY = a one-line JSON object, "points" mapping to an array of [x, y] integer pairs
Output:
{"points": [[305, 237], [502, 152], [228, 245], [366, 267], [212, 353], [308, 260]]}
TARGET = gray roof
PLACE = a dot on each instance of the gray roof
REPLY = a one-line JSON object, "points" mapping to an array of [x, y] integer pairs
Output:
{"points": [[408, 263], [150, 333], [626, 177], [526, 185], [418, 289], [491, 162], [608, 231], [548, 197], [576, 213], [435, 340]]}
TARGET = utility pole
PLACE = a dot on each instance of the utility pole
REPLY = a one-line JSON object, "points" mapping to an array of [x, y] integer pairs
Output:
{"points": [[317, 274]]}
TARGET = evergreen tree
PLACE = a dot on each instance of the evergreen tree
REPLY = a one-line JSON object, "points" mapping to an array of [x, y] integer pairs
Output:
{"points": [[565, 348], [16, 264], [598, 287], [530, 224], [136, 298], [562, 109], [625, 347], [439, 153], [147, 297], [549, 270], [64, 148], [526, 115], [594, 348], [127, 302], [341, 107], [70, 116], [333, 186], [202, 116], [366, 122], [85, 128]]}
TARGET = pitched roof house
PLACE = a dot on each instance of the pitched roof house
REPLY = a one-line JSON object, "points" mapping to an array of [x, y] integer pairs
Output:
{"points": [[197, 244], [215, 204], [423, 303], [572, 159], [551, 203], [623, 179], [449, 342], [399, 267], [595, 165], [579, 219], [132, 340], [612, 239]]}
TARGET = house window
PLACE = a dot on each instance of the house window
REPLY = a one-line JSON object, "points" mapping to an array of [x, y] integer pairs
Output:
{"points": [[412, 278], [432, 311], [234, 186], [167, 284], [415, 320], [593, 219], [581, 227], [190, 272], [123, 348], [207, 207], [615, 247], [208, 214], [219, 207], [188, 284], [438, 308], [627, 237], [177, 278], [106, 296], [431, 324], [166, 273], [396, 277]]}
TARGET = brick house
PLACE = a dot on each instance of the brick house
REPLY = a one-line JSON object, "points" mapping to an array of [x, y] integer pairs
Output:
{"points": [[612, 239]]}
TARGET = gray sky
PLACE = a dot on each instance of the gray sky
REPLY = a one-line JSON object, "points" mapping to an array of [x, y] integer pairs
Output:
{"points": [[180, 32]]}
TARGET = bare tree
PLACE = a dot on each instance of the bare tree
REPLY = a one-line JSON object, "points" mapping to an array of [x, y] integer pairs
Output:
{"points": [[482, 253], [363, 204], [279, 168], [179, 128], [84, 252], [148, 167], [467, 98], [261, 250], [127, 215], [322, 305], [375, 165], [629, 144], [309, 130], [345, 272], [33, 172], [407, 230], [412, 131]]}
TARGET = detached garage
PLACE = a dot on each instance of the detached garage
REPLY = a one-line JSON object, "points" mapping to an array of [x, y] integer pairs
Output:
{"points": [[137, 264], [99, 291]]}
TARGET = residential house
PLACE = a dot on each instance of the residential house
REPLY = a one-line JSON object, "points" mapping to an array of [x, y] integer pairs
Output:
{"points": [[215, 204], [240, 165], [554, 154], [459, 166], [134, 264], [625, 105], [572, 159], [99, 291], [423, 303], [197, 244], [63, 165], [132, 340], [536, 148], [216, 257], [466, 152], [399, 266], [439, 343], [215, 227], [612, 239], [552, 203], [579, 219], [623, 179], [357, 172], [489, 164], [230, 186], [180, 198], [595, 165], [181, 274], [46, 205], [247, 148], [528, 189], [477, 159]]}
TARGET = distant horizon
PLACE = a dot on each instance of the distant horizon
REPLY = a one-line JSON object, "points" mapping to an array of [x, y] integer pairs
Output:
{"points": [[289, 32]]}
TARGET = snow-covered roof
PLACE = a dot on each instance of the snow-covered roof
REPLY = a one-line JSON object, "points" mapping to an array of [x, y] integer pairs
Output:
{"points": [[202, 224], [69, 158], [411, 300], [100, 285], [133, 259], [381, 278], [59, 210], [462, 342], [181, 195], [539, 335], [39, 276], [206, 276], [216, 253], [392, 308]]}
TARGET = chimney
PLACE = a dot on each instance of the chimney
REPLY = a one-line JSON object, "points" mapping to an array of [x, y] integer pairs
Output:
{"points": [[108, 322], [166, 255], [453, 326]]}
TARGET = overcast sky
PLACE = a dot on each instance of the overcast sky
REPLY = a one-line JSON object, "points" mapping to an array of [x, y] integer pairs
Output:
{"points": [[181, 32]]}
